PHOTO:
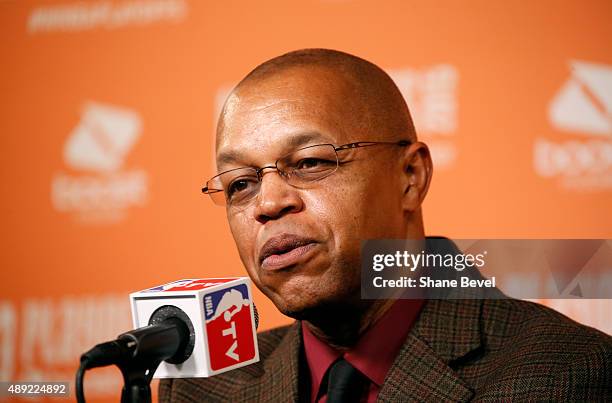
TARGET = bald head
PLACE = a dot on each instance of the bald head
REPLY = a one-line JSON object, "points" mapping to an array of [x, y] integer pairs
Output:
{"points": [[371, 103]]}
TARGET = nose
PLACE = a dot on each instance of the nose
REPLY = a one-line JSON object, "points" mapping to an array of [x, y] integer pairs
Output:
{"points": [[276, 198]]}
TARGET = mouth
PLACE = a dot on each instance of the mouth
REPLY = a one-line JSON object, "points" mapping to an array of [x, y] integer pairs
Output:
{"points": [[283, 251]]}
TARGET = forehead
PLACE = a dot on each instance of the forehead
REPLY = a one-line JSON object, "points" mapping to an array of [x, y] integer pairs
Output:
{"points": [[274, 115]]}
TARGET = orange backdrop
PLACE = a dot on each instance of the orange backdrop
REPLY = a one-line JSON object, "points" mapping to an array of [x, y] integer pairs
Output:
{"points": [[108, 112]]}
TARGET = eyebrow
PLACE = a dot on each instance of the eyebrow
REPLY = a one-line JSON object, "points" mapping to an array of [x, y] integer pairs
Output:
{"points": [[294, 142]]}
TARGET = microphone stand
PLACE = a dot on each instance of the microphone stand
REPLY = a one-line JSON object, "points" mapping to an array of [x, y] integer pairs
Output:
{"points": [[137, 381], [169, 337]]}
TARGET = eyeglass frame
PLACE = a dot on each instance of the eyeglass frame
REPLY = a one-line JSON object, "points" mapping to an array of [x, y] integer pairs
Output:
{"points": [[282, 174]]}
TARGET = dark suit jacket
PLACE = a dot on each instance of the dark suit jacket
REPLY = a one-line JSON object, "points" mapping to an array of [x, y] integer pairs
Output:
{"points": [[458, 350]]}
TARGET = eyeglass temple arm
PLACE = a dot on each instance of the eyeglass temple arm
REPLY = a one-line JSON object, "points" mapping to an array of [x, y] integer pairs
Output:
{"points": [[205, 189], [358, 144]]}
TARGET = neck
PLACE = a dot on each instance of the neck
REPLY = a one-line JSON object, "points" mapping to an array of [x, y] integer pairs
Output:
{"points": [[341, 327]]}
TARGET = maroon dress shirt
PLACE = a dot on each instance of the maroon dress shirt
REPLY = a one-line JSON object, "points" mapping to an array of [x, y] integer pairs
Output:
{"points": [[372, 355]]}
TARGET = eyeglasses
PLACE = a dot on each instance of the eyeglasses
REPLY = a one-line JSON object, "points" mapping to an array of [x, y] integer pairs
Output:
{"points": [[237, 187]]}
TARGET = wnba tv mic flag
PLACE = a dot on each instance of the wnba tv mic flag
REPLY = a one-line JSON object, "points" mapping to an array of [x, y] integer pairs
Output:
{"points": [[221, 316]]}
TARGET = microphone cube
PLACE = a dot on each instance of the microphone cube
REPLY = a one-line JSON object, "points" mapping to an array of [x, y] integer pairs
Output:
{"points": [[223, 320]]}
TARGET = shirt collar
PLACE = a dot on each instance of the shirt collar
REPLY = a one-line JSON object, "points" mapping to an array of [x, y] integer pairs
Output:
{"points": [[374, 352]]}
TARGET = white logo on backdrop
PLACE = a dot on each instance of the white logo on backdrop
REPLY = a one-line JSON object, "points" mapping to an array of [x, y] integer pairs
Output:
{"points": [[80, 16], [102, 138], [584, 103], [431, 94], [582, 107], [43, 338], [98, 145]]}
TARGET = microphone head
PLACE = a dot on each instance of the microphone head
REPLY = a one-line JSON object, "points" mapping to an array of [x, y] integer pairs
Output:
{"points": [[168, 313]]}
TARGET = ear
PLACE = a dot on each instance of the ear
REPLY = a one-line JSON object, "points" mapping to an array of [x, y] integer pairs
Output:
{"points": [[417, 172]]}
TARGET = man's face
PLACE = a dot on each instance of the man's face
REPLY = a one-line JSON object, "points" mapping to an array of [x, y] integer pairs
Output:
{"points": [[301, 246]]}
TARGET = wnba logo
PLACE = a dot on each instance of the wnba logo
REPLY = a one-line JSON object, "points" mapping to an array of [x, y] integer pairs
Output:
{"points": [[582, 106], [98, 146]]}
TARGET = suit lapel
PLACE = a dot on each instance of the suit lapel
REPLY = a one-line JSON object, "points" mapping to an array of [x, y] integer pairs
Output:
{"points": [[419, 375], [280, 379], [446, 331]]}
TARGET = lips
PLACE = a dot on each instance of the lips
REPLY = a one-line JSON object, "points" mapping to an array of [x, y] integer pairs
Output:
{"points": [[284, 250]]}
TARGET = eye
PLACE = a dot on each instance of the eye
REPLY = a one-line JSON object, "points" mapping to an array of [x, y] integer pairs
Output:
{"points": [[308, 163], [314, 164], [241, 186]]}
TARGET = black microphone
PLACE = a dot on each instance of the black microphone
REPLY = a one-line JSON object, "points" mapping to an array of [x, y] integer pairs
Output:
{"points": [[168, 340]]}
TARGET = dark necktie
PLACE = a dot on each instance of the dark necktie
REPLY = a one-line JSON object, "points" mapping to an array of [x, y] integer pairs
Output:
{"points": [[345, 384]]}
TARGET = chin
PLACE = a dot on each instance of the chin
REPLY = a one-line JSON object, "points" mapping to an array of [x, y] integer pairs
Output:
{"points": [[313, 307], [307, 313], [296, 309]]}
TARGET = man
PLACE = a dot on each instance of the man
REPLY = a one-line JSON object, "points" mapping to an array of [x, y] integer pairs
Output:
{"points": [[317, 152]]}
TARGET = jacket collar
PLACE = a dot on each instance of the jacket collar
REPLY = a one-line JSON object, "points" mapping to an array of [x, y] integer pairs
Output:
{"points": [[280, 370], [450, 327], [446, 331]]}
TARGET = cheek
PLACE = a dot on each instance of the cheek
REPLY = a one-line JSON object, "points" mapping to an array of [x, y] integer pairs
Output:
{"points": [[243, 232], [360, 209], [343, 209]]}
